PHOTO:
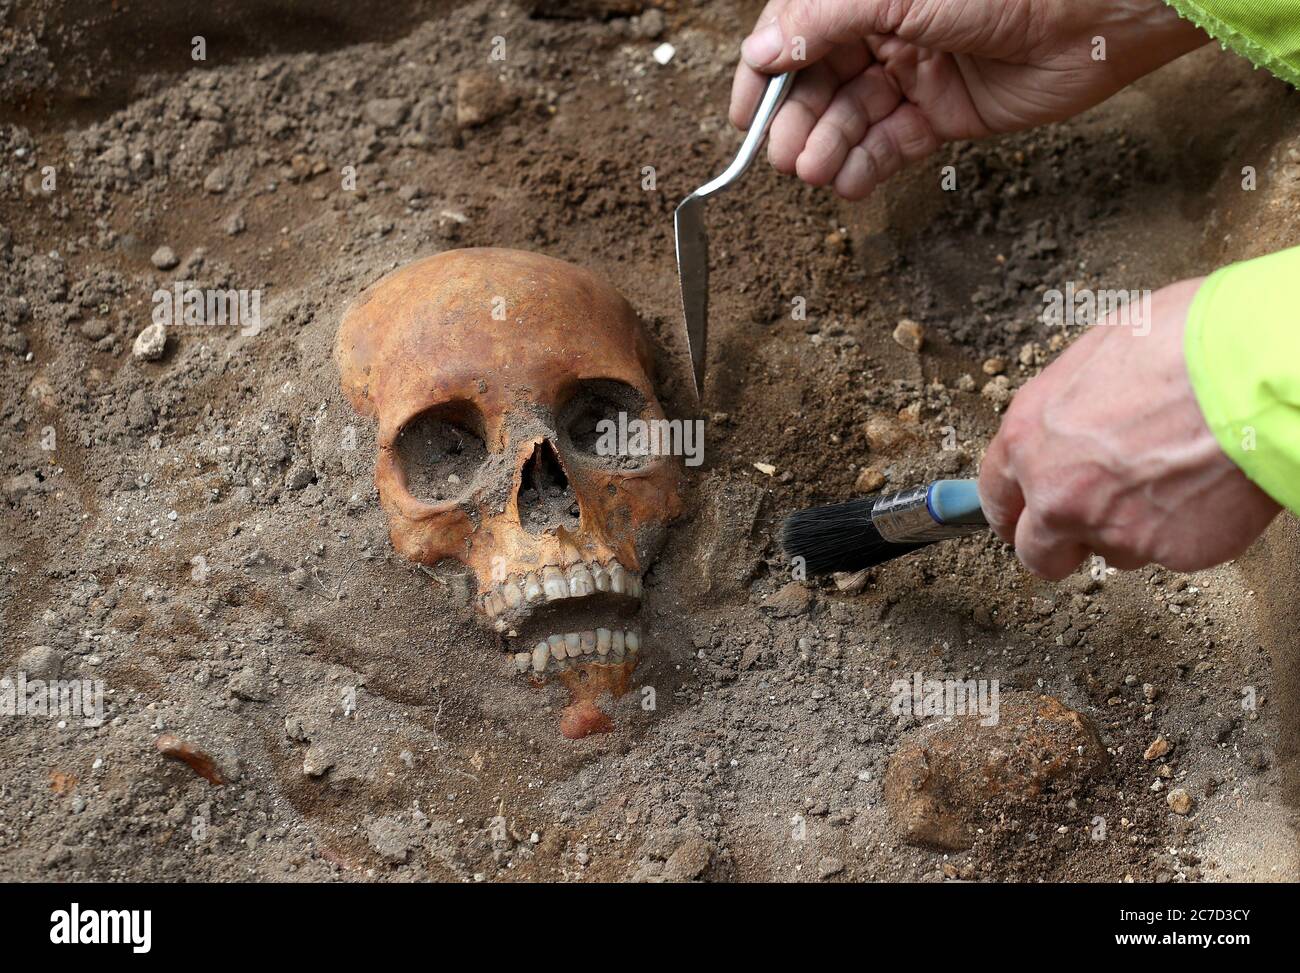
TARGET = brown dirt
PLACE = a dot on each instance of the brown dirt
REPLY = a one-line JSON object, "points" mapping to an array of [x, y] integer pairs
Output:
{"points": [[200, 537]]}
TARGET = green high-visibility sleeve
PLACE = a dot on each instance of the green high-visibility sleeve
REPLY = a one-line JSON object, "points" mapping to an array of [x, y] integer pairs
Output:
{"points": [[1265, 31], [1242, 347]]}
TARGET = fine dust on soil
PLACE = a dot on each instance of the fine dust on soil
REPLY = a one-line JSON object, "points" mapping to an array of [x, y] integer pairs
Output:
{"points": [[201, 531]]}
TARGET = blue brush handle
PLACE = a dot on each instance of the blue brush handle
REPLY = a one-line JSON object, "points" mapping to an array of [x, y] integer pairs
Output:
{"points": [[955, 502]]}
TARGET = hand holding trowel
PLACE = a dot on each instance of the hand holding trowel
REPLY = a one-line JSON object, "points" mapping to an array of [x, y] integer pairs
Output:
{"points": [[693, 242], [842, 537]]}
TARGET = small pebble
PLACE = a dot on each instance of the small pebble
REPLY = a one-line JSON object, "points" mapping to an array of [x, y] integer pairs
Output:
{"points": [[829, 866], [164, 258], [909, 335], [998, 390], [216, 181], [316, 762], [851, 582], [1158, 748], [664, 53], [869, 480], [150, 342]]}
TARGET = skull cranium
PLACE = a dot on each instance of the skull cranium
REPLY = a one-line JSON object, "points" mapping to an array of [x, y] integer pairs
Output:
{"points": [[488, 371]]}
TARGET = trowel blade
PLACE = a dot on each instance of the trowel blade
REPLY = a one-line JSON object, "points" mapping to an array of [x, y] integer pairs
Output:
{"points": [[693, 270]]}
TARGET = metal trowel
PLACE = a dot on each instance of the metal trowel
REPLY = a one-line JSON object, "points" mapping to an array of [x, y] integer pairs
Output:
{"points": [[693, 242]]}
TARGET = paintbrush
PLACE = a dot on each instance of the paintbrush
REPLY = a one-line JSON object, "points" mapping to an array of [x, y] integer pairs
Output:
{"points": [[862, 533]]}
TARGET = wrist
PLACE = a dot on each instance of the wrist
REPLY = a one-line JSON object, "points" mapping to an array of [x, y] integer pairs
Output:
{"points": [[1139, 35], [1169, 35]]}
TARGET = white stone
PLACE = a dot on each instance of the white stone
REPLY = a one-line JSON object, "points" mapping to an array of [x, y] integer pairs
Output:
{"points": [[150, 342]]}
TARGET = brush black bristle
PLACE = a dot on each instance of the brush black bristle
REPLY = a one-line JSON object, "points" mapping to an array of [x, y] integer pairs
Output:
{"points": [[839, 537]]}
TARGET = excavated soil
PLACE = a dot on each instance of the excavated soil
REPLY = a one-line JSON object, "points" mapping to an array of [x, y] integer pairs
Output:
{"points": [[201, 533]]}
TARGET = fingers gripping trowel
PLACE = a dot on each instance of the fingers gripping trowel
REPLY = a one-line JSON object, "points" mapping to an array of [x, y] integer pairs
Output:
{"points": [[693, 242]]}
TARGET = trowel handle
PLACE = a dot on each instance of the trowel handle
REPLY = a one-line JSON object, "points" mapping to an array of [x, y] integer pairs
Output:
{"points": [[777, 88], [773, 97]]}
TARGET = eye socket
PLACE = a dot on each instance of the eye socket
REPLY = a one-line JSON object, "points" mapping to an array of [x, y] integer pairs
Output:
{"points": [[441, 451], [591, 421]]}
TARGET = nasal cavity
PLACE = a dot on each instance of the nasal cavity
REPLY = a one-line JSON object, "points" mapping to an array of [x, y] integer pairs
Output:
{"points": [[546, 501]]}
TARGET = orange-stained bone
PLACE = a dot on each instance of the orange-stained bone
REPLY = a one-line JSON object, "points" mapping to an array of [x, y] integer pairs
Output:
{"points": [[586, 684]]}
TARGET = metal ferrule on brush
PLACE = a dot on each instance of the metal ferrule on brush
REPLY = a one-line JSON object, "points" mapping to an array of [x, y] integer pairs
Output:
{"points": [[919, 515]]}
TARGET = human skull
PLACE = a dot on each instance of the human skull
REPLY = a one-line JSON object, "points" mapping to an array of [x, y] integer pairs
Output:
{"points": [[488, 371]]}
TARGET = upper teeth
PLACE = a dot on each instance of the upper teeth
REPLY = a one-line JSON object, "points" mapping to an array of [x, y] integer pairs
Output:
{"points": [[580, 581], [552, 583]]}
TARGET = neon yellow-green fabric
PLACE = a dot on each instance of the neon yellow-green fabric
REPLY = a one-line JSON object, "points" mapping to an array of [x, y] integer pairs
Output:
{"points": [[1242, 347], [1265, 31], [1243, 330]]}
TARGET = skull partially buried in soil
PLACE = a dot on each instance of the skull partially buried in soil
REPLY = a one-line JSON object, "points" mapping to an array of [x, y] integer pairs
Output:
{"points": [[489, 372]]}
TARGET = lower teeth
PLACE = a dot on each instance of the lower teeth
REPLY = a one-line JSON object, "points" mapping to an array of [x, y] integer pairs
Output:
{"points": [[560, 652]]}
